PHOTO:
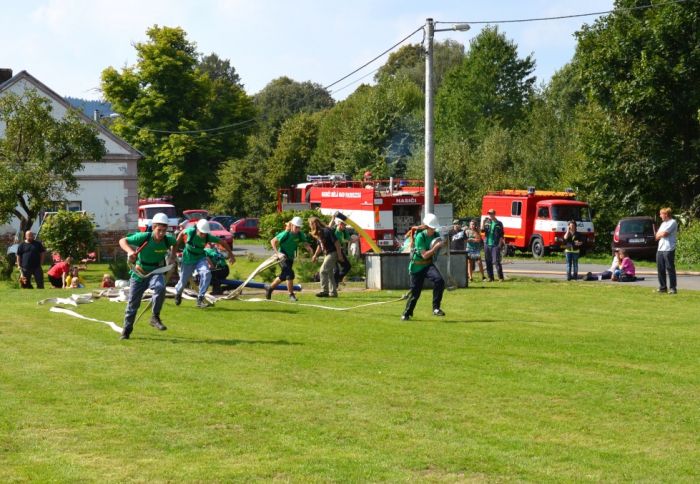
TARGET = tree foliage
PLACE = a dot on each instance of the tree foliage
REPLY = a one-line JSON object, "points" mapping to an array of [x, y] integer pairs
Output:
{"points": [[172, 105], [40, 155], [71, 234]]}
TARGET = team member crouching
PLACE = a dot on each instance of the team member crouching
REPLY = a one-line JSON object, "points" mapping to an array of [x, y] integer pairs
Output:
{"points": [[287, 242], [426, 243], [153, 249]]}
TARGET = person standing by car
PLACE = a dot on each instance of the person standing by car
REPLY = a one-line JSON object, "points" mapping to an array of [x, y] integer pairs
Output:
{"points": [[573, 241], [666, 251], [287, 242], [493, 232], [425, 243], [30, 257], [194, 259]]}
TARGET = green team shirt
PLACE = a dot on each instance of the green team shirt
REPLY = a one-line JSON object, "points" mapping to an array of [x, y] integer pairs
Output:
{"points": [[194, 247], [152, 256], [216, 257], [289, 242], [342, 237], [422, 242]]}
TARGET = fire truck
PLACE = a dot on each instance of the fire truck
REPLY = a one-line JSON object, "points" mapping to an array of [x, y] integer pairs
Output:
{"points": [[385, 209], [536, 220], [148, 207]]}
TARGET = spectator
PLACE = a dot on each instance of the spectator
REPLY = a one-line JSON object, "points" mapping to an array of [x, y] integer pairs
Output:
{"points": [[474, 244], [666, 251], [573, 242], [609, 273], [107, 281], [73, 279], [456, 235], [625, 271], [287, 242], [30, 257], [343, 267], [332, 254], [58, 272], [493, 231]]}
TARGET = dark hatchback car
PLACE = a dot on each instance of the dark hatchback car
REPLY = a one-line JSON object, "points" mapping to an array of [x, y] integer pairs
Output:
{"points": [[636, 236]]}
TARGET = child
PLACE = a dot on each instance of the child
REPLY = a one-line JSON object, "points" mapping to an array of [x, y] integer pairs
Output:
{"points": [[626, 271], [286, 242], [73, 280], [107, 281]]}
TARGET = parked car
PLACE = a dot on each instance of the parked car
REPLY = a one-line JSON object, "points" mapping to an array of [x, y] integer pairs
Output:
{"points": [[192, 216], [217, 230], [245, 228], [636, 236], [225, 220]]}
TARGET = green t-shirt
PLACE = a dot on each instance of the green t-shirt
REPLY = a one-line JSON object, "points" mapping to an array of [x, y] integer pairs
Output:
{"points": [[152, 256], [342, 237], [421, 242], [216, 257], [289, 242], [194, 247]]}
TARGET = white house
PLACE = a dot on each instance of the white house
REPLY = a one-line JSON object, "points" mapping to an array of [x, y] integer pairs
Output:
{"points": [[107, 187]]}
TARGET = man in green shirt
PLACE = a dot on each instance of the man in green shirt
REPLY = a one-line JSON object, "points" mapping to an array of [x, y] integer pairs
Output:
{"points": [[219, 268], [287, 242], [426, 243], [194, 259], [344, 266], [152, 249]]}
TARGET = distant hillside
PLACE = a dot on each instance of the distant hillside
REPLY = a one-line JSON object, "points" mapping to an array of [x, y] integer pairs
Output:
{"points": [[88, 106]]}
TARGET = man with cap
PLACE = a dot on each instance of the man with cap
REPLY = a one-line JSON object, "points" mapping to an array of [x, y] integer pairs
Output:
{"points": [[152, 248], [194, 258], [425, 243], [494, 241], [286, 242]]}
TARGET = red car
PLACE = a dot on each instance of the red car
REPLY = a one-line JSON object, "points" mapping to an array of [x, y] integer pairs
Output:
{"points": [[245, 228], [217, 230]]}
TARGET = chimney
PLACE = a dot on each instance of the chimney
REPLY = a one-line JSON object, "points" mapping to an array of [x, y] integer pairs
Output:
{"points": [[5, 75]]}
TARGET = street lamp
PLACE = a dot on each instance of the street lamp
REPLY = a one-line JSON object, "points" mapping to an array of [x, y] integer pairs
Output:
{"points": [[429, 102]]}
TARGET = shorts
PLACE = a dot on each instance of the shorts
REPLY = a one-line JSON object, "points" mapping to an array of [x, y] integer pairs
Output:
{"points": [[474, 255], [287, 273]]}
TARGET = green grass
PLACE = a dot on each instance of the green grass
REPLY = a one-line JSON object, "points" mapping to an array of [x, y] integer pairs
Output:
{"points": [[522, 381]]}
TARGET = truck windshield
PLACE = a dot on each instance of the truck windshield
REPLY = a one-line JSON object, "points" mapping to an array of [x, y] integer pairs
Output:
{"points": [[169, 211], [571, 212]]}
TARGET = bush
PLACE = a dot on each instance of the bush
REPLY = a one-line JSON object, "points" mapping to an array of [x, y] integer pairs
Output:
{"points": [[7, 265], [688, 248], [119, 268], [71, 234]]}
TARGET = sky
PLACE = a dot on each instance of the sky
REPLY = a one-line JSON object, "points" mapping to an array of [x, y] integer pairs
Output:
{"points": [[67, 43]]}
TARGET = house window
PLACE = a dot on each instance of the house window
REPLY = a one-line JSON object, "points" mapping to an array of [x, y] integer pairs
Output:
{"points": [[75, 206], [516, 209]]}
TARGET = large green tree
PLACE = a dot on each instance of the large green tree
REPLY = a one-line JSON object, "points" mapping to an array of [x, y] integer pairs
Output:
{"points": [[40, 155], [640, 69], [186, 114]]}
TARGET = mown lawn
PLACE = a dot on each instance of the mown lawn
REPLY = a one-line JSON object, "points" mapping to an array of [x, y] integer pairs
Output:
{"points": [[522, 381]]}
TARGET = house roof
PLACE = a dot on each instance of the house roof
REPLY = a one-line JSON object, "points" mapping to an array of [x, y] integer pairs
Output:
{"points": [[24, 75]]}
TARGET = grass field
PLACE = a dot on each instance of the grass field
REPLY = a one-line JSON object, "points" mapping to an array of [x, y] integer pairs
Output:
{"points": [[525, 380]]}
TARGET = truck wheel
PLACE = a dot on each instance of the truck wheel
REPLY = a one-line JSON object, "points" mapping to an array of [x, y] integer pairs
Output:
{"points": [[537, 247]]}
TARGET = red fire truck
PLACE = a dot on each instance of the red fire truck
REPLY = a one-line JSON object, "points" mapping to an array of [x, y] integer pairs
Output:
{"points": [[148, 207], [536, 220], [385, 209]]}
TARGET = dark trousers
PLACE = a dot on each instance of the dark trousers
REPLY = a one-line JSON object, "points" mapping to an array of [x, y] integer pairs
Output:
{"points": [[666, 263], [432, 274], [218, 276], [493, 256], [156, 283], [571, 265], [38, 275], [342, 269]]}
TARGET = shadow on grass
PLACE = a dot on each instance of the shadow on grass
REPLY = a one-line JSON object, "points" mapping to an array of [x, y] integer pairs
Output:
{"points": [[223, 342]]}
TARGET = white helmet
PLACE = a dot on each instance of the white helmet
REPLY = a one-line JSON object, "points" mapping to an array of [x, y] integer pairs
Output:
{"points": [[340, 221], [297, 221], [431, 221], [203, 226], [160, 218]]}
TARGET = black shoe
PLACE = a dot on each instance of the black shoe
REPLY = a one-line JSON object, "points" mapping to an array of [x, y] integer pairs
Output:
{"points": [[405, 317], [672, 291], [438, 312], [661, 290], [201, 303], [333, 294], [322, 294], [178, 299], [156, 323], [268, 291], [126, 332]]}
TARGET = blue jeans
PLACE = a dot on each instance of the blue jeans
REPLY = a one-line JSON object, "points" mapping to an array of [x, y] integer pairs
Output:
{"points": [[571, 265], [201, 267], [666, 262], [136, 289]]}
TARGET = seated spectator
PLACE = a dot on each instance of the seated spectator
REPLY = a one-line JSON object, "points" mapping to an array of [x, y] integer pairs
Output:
{"points": [[615, 264], [626, 271], [107, 281], [73, 279], [58, 273]]}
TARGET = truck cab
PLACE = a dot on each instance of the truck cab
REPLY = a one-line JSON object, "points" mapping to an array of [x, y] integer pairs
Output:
{"points": [[148, 207]]}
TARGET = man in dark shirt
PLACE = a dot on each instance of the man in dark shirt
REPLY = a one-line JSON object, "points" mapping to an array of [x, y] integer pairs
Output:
{"points": [[30, 257]]}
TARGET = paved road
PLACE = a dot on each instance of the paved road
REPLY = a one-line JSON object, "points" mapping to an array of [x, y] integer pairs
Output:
{"points": [[554, 270]]}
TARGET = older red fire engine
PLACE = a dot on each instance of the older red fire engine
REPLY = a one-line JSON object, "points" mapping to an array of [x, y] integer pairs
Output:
{"points": [[148, 207], [536, 220], [385, 209]]}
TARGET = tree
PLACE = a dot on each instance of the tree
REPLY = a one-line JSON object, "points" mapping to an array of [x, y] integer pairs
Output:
{"points": [[71, 234], [40, 155], [640, 71], [185, 115]]}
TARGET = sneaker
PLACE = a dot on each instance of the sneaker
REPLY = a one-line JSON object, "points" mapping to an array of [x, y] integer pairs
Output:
{"points": [[333, 294], [405, 317], [268, 292], [178, 299], [293, 298], [661, 290], [156, 323], [672, 291], [322, 294], [201, 303], [438, 312], [126, 332]]}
